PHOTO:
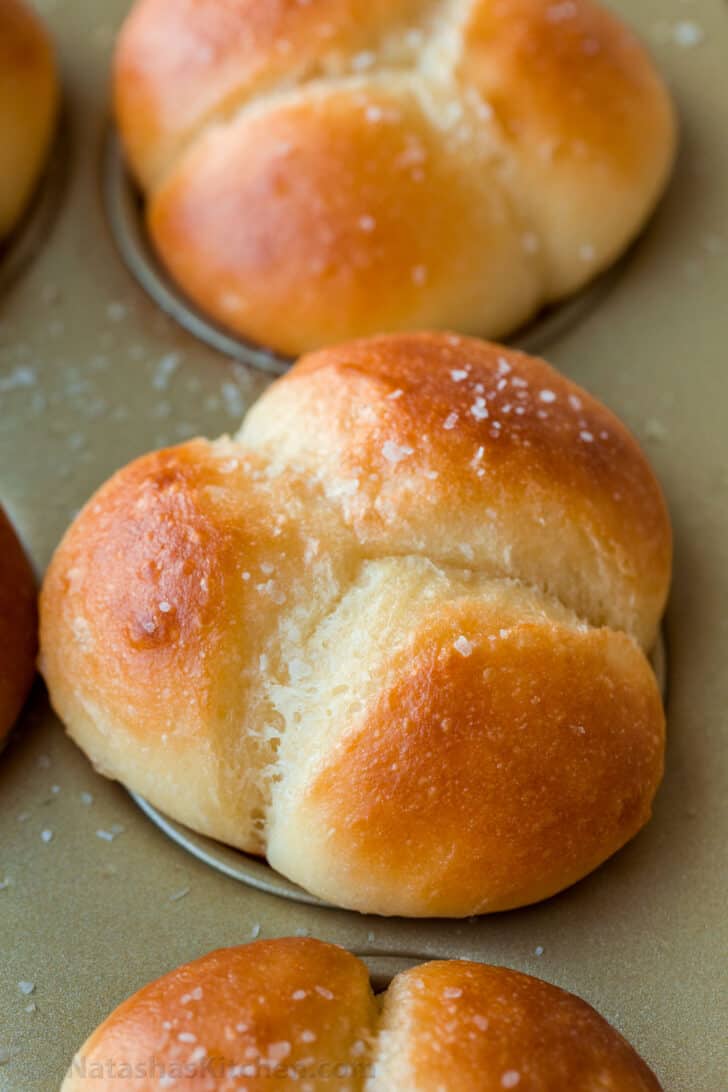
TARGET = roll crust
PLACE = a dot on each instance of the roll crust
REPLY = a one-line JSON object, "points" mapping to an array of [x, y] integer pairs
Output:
{"points": [[393, 646], [316, 172], [28, 106], [298, 1013], [18, 626]]}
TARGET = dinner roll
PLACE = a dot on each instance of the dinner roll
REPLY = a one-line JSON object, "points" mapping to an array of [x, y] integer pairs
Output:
{"points": [[315, 172], [392, 636], [28, 105], [299, 1014], [18, 626]]}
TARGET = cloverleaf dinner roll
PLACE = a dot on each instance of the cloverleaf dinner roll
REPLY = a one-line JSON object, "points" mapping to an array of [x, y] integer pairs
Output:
{"points": [[392, 635], [299, 1014], [28, 105], [18, 626], [320, 171]]}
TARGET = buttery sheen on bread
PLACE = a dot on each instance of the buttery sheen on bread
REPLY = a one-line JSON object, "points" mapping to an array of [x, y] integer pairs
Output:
{"points": [[392, 636], [300, 1015], [18, 626], [28, 104], [321, 171]]}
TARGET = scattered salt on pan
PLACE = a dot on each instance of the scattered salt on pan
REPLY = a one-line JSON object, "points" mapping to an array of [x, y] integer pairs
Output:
{"points": [[451, 992], [149, 626], [308, 1036], [246, 576], [450, 421], [26, 988], [395, 453], [431, 475], [586, 436], [255, 931], [46, 836], [266, 567], [538, 950], [479, 409], [298, 995], [262, 662], [480, 1022], [458, 374], [547, 396], [463, 646], [187, 1037], [165, 607], [105, 835], [575, 402], [181, 894], [395, 394], [322, 991], [687, 33], [510, 1078]]}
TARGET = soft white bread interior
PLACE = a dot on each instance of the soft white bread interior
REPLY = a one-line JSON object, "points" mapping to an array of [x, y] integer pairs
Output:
{"points": [[316, 172], [300, 1015], [393, 635], [28, 106]]}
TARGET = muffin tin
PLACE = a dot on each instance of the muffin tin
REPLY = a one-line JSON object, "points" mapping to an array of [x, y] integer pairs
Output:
{"points": [[95, 369]]}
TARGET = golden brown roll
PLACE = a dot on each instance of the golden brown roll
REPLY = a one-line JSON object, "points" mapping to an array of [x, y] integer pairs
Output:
{"points": [[28, 104], [299, 1014], [320, 171], [393, 635], [18, 626]]}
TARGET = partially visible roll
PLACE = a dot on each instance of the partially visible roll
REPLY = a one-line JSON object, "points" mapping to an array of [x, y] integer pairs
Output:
{"points": [[299, 1014], [18, 627], [28, 106]]}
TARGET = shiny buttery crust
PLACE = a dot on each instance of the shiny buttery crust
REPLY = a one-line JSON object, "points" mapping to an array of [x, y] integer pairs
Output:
{"points": [[28, 104], [393, 635], [18, 626], [299, 1014], [316, 172]]}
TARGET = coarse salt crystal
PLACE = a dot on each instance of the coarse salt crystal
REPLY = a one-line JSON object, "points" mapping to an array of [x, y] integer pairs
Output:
{"points": [[395, 453], [463, 646]]}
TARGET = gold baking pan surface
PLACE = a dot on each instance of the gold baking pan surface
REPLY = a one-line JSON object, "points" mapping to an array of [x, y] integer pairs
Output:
{"points": [[95, 900]]}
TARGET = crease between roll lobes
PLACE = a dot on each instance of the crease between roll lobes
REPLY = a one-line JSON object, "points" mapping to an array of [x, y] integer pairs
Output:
{"points": [[392, 635], [300, 1014]]}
